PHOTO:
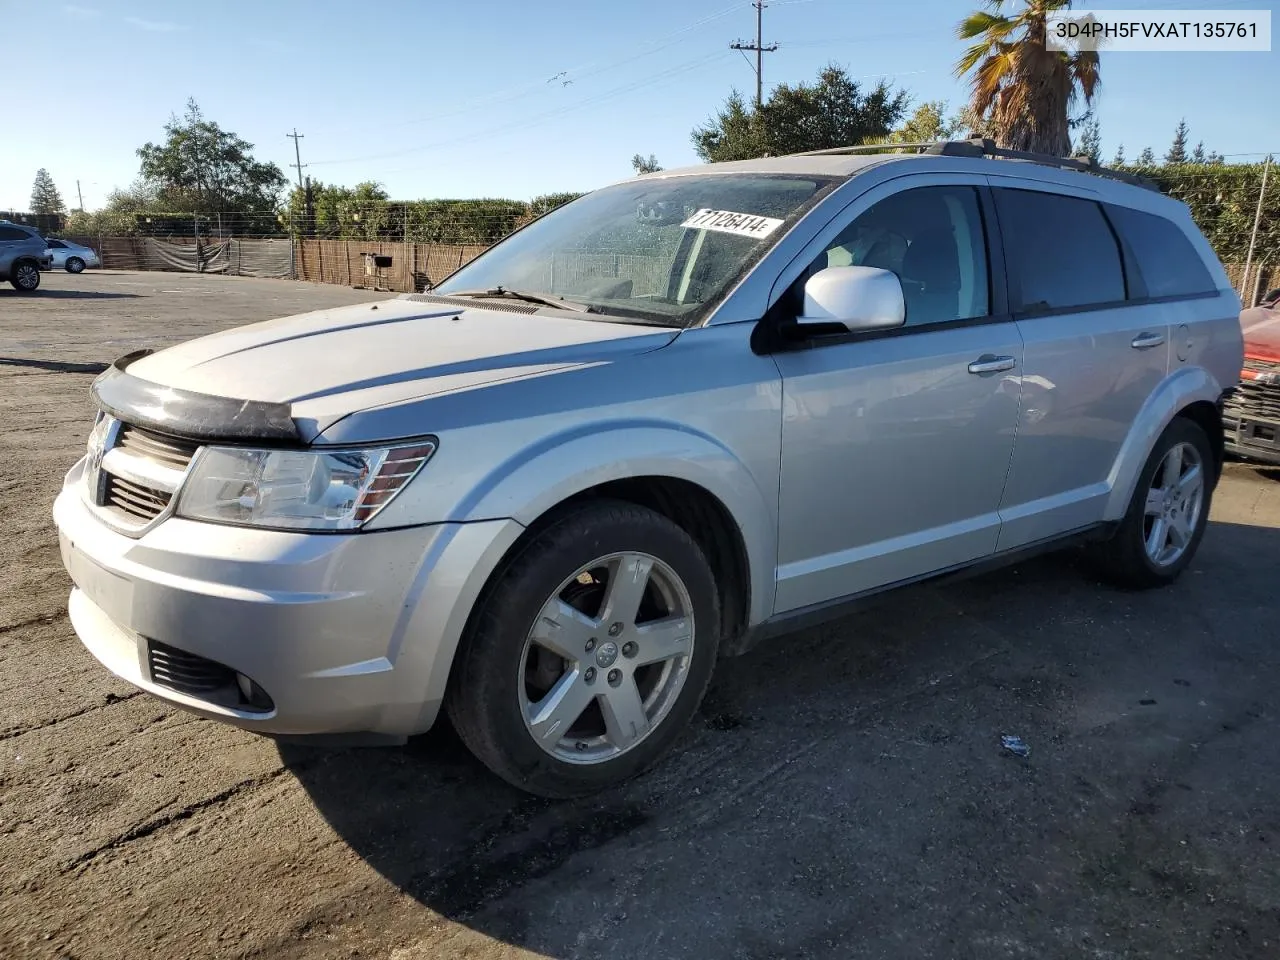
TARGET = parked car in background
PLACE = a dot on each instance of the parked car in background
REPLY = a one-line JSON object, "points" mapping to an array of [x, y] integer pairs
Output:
{"points": [[666, 420], [23, 254], [72, 257], [1251, 417]]}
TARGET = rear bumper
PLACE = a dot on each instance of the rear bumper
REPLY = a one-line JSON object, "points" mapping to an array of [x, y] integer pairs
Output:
{"points": [[344, 633]]}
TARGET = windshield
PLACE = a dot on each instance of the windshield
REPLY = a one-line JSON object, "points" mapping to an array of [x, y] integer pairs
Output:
{"points": [[664, 250]]}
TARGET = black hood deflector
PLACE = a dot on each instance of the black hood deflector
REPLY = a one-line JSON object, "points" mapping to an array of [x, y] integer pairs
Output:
{"points": [[183, 413]]}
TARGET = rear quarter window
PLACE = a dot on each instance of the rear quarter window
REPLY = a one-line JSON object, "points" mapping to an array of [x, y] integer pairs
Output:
{"points": [[1166, 263], [1061, 251]]}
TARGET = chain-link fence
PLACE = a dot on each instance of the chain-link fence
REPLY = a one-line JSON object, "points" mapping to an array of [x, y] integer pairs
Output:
{"points": [[412, 246]]}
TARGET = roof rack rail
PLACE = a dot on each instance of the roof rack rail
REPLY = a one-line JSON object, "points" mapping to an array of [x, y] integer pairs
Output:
{"points": [[979, 147]]}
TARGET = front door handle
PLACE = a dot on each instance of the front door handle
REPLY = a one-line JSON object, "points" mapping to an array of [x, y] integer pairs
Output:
{"points": [[1145, 341], [987, 363]]}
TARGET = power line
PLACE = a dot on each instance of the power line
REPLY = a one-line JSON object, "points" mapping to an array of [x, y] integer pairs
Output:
{"points": [[759, 48], [297, 153]]}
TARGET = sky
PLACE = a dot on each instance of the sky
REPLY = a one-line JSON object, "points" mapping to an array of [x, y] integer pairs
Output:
{"points": [[503, 98]]}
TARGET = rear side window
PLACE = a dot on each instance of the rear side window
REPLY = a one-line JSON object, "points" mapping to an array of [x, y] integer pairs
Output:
{"points": [[1166, 262], [1061, 251], [13, 233]]}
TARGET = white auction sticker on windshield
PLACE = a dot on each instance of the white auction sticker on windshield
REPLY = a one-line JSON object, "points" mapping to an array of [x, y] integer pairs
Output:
{"points": [[726, 221]]}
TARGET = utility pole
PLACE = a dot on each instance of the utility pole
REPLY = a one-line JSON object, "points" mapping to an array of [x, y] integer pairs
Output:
{"points": [[297, 153], [80, 196], [1253, 239], [759, 48]]}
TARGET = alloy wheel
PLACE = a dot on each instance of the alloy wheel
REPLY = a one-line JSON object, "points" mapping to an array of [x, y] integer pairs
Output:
{"points": [[27, 277], [1174, 502], [606, 658]]}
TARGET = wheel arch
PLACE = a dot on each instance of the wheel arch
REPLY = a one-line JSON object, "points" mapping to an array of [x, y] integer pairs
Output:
{"points": [[1191, 392]]}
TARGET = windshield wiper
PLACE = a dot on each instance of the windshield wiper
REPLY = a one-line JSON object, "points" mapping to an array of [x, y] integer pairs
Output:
{"points": [[503, 293]]}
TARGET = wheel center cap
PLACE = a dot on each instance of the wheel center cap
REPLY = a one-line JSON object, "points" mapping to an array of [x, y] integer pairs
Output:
{"points": [[606, 653]]}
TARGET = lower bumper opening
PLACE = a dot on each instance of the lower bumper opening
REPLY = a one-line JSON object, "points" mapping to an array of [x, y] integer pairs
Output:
{"points": [[206, 679]]}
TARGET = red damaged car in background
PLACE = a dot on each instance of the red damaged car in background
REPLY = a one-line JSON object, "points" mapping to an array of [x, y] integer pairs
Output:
{"points": [[1251, 417]]}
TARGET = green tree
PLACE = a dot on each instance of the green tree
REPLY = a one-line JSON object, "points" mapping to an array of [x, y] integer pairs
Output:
{"points": [[1026, 90], [832, 112], [45, 198], [1090, 144], [1178, 149], [641, 165], [1147, 158], [1197, 155], [928, 124], [1118, 159], [549, 201], [349, 213], [201, 168]]}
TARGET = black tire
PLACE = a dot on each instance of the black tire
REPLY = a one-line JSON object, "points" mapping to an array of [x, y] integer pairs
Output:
{"points": [[484, 702], [1123, 559], [25, 276], [75, 265]]}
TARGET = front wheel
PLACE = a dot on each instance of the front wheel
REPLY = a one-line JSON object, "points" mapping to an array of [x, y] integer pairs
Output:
{"points": [[75, 265], [26, 277], [1168, 513], [590, 654]]}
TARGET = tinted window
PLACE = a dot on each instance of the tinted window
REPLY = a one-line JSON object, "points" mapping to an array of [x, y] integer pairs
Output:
{"points": [[13, 233], [1061, 251], [933, 239], [1167, 264], [57, 245]]}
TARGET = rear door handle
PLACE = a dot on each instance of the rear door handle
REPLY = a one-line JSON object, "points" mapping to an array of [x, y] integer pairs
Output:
{"points": [[1145, 341], [987, 363]]}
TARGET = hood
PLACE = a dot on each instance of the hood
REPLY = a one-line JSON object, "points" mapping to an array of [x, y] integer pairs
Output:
{"points": [[1261, 326], [330, 363]]}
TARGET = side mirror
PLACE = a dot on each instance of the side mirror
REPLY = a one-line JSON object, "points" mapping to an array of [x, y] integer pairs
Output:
{"points": [[860, 298]]}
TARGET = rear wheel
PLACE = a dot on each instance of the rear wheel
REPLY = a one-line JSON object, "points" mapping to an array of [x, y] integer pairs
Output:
{"points": [[25, 276], [74, 265], [1168, 513], [590, 654]]}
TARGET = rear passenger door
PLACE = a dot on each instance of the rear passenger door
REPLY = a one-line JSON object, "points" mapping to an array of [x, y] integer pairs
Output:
{"points": [[1095, 349]]}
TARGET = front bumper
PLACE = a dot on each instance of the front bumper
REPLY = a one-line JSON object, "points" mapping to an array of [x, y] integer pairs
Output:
{"points": [[1254, 439], [345, 633]]}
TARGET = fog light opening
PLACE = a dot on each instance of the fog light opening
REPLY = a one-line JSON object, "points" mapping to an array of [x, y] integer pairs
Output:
{"points": [[252, 695]]}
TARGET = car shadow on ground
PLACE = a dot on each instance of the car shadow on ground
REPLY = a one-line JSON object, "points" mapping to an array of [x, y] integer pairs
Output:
{"points": [[947, 662], [47, 294], [54, 366]]}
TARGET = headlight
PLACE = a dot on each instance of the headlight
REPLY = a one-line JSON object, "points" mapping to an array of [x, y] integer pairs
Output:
{"points": [[298, 489]]}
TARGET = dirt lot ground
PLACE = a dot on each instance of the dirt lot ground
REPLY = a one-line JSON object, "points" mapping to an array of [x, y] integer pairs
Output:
{"points": [[843, 793]]}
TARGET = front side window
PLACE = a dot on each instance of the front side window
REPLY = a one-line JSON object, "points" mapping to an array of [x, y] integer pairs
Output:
{"points": [[57, 245], [664, 250], [933, 239], [1060, 250], [1166, 262]]}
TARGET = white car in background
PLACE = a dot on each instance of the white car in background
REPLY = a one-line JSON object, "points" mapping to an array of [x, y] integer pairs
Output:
{"points": [[72, 257]]}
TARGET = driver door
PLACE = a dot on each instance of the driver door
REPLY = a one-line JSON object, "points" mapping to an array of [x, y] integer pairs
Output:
{"points": [[896, 443]]}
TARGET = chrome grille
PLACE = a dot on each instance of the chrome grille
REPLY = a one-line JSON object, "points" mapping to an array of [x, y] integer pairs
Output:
{"points": [[153, 446], [130, 499], [138, 502], [1253, 400]]}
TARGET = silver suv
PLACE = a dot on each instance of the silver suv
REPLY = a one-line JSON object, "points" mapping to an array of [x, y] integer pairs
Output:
{"points": [[23, 254], [678, 415]]}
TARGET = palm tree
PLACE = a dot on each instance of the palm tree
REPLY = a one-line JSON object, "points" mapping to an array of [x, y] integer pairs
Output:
{"points": [[1023, 89]]}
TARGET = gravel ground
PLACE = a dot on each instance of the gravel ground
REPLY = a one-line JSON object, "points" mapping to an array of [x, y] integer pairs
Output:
{"points": [[842, 794]]}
